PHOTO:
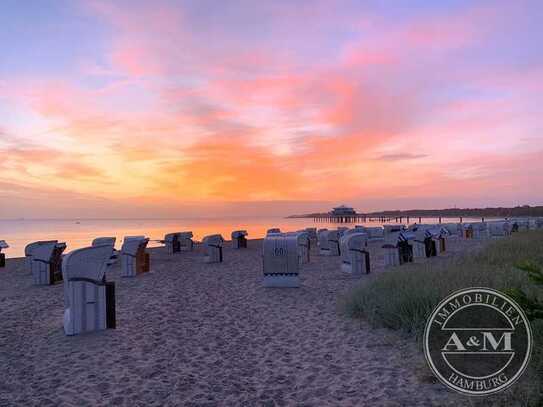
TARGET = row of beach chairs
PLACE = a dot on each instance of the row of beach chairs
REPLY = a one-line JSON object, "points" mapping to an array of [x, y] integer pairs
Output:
{"points": [[90, 298]]}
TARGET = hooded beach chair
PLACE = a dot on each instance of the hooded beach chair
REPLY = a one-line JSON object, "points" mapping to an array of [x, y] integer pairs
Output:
{"points": [[312, 233], [390, 249], [333, 243], [273, 230], [281, 260], [99, 241], [3, 245], [355, 258], [322, 241], [185, 241], [239, 239], [134, 259], [89, 301], [304, 245], [213, 248], [172, 243], [46, 262]]}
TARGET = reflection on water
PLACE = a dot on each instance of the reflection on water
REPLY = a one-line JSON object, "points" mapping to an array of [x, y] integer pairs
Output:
{"points": [[79, 233]]}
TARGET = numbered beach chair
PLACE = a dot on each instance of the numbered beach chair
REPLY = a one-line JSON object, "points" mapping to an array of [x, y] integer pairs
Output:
{"points": [[46, 262], [213, 248], [134, 259], [3, 245], [281, 261], [171, 241], [185, 241], [239, 239], [89, 300], [355, 258]]}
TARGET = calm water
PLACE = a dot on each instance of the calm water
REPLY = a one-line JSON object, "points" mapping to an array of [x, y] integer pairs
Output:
{"points": [[80, 233]]}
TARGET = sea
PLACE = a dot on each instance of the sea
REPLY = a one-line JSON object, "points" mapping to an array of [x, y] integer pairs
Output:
{"points": [[79, 233]]}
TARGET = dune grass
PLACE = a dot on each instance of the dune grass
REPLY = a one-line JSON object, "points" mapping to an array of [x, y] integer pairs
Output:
{"points": [[403, 299]]}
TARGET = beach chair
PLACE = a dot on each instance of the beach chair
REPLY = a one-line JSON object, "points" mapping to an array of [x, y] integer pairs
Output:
{"points": [[239, 240], [99, 241], [89, 300], [498, 230], [304, 245], [375, 234], [312, 233], [185, 241], [333, 243], [341, 230], [171, 241], [405, 246], [46, 262], [213, 248], [134, 259], [322, 242], [273, 230], [355, 258], [392, 229], [281, 260], [29, 250], [3, 245]]}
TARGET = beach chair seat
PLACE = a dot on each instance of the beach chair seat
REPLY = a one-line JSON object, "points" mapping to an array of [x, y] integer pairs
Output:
{"points": [[281, 262], [355, 258], [46, 263], [89, 300], [213, 248], [239, 239], [134, 259], [3, 245]]}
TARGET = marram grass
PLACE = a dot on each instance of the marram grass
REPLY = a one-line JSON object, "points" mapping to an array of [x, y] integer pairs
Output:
{"points": [[403, 299]]}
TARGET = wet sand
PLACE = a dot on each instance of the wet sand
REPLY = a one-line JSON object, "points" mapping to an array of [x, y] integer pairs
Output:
{"points": [[196, 334]]}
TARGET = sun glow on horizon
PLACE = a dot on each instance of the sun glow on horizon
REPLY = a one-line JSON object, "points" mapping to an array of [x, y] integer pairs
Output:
{"points": [[161, 107]]}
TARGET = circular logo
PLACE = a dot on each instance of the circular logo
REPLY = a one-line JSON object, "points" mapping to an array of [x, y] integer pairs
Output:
{"points": [[478, 341]]}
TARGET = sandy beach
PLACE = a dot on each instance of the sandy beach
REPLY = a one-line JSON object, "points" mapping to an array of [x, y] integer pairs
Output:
{"points": [[196, 334]]}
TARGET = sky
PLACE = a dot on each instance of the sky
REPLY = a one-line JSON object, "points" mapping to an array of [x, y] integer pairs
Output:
{"points": [[188, 108]]}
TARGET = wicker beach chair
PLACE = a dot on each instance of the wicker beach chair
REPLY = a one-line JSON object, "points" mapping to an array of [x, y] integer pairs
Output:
{"points": [[46, 262], [239, 240], [213, 248], [281, 260], [89, 301], [355, 258], [134, 259]]}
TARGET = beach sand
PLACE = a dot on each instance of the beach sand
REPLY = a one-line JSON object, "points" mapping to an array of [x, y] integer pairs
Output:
{"points": [[197, 334]]}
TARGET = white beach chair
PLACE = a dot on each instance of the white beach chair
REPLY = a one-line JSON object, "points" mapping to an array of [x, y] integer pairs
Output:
{"points": [[46, 262], [391, 229], [375, 234], [333, 243], [185, 241], [281, 260], [3, 245], [89, 301], [100, 241], [399, 248], [213, 248], [304, 245], [239, 240], [355, 258], [134, 259], [498, 230], [273, 230], [171, 242], [322, 241]]}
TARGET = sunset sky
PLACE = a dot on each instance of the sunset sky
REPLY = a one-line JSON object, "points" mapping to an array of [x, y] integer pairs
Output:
{"points": [[127, 108]]}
